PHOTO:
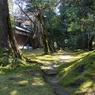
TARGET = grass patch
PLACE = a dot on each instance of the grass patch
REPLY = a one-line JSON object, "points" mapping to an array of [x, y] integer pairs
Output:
{"points": [[79, 74]]}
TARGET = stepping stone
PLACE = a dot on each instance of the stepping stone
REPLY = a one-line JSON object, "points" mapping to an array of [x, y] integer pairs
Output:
{"points": [[51, 72]]}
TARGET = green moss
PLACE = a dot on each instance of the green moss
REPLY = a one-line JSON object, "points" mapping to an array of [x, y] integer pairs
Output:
{"points": [[73, 75], [76, 73], [17, 77], [23, 83]]}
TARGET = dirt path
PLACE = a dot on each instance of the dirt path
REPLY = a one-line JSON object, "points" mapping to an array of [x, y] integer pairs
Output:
{"points": [[50, 64], [50, 75]]}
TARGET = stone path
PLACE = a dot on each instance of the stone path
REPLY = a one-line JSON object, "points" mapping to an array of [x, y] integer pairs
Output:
{"points": [[52, 79]]}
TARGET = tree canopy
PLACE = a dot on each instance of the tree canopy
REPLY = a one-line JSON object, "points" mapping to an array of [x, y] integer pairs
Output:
{"points": [[61, 20]]}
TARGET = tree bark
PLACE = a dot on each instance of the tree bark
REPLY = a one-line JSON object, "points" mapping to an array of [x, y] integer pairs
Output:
{"points": [[86, 41], [45, 43], [50, 44], [3, 31], [7, 35], [90, 43]]}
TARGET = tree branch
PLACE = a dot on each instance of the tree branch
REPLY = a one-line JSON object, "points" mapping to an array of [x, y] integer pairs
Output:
{"points": [[26, 15]]}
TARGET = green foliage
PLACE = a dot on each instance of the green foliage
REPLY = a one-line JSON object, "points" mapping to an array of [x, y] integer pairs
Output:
{"points": [[13, 23], [1, 63], [75, 19]]}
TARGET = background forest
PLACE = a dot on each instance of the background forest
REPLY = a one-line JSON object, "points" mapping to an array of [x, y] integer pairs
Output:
{"points": [[68, 23]]}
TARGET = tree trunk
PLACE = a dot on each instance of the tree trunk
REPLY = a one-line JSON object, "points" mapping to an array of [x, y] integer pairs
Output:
{"points": [[34, 38], [45, 43], [3, 31], [90, 43], [86, 41], [7, 35], [50, 45]]}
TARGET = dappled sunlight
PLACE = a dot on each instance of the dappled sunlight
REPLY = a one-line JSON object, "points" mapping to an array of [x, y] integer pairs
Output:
{"points": [[87, 84], [46, 67], [26, 78], [87, 88], [81, 72], [14, 92], [84, 54], [23, 82], [1, 72], [69, 66], [65, 57], [38, 81], [19, 75], [48, 58], [67, 69], [5, 88], [32, 53], [54, 59]]}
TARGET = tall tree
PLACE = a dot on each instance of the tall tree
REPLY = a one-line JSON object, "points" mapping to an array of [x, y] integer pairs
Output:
{"points": [[7, 38], [39, 8]]}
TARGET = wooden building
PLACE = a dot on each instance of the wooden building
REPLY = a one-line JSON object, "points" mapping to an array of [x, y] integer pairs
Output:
{"points": [[21, 36]]}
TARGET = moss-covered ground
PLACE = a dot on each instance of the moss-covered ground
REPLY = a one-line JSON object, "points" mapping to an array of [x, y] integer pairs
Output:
{"points": [[20, 78], [78, 75], [76, 69], [76, 72]]}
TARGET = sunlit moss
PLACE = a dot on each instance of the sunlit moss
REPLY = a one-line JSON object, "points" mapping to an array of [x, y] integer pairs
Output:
{"points": [[68, 70], [87, 84], [38, 81], [1, 72], [19, 75], [16, 77], [5, 88], [77, 73], [23, 82], [14, 92]]}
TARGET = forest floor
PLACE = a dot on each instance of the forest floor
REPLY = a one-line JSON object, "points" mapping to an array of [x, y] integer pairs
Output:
{"points": [[21, 78], [65, 73], [24, 81], [49, 64], [73, 70]]}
